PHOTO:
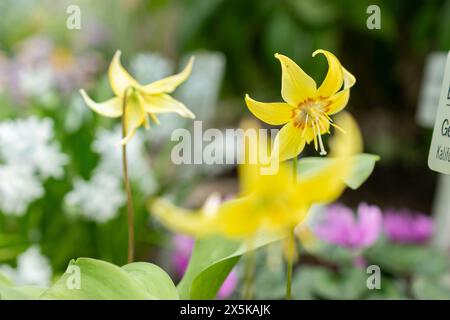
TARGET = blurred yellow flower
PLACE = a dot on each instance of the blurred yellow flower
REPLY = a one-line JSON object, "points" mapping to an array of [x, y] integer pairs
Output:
{"points": [[139, 100], [306, 111], [269, 203]]}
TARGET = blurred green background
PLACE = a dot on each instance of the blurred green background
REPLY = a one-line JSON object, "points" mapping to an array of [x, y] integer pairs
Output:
{"points": [[242, 37]]}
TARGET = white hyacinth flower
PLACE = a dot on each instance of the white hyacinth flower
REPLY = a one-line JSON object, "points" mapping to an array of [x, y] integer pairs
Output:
{"points": [[18, 188], [140, 171], [33, 268], [29, 143], [98, 199]]}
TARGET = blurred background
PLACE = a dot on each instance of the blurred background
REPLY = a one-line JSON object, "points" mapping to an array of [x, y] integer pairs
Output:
{"points": [[61, 193]]}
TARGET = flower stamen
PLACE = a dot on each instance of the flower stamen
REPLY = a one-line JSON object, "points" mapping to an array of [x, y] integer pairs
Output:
{"points": [[322, 149]]}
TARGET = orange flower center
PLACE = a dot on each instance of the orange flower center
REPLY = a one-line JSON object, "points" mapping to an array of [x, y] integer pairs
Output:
{"points": [[312, 114]]}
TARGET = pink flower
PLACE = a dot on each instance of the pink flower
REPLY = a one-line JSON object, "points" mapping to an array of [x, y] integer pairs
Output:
{"points": [[342, 228], [404, 226], [183, 249], [228, 285], [180, 259]]}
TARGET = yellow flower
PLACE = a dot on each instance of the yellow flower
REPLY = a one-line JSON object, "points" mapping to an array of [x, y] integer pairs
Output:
{"points": [[306, 111], [270, 203], [140, 100]]}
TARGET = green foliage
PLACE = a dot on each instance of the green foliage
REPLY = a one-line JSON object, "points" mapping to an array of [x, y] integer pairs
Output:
{"points": [[211, 261], [103, 280], [430, 289], [248, 32], [363, 165], [10, 292], [408, 259]]}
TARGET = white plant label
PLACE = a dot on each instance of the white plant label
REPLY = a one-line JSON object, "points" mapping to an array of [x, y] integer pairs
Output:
{"points": [[439, 156], [430, 90]]}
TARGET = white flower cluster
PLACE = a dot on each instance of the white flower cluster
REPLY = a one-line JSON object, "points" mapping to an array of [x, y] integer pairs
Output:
{"points": [[28, 157], [33, 268], [139, 168], [100, 198], [97, 199], [18, 188]]}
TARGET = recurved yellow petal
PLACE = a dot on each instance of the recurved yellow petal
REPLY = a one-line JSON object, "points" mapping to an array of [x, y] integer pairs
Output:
{"points": [[334, 78], [296, 85], [349, 79], [110, 108], [194, 223], [237, 218], [271, 113], [169, 84], [339, 100], [288, 143], [255, 155], [134, 116], [119, 78], [327, 184], [163, 103]]}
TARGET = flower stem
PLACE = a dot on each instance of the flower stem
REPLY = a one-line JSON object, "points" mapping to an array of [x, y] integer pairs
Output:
{"points": [[249, 269], [291, 242], [130, 211]]}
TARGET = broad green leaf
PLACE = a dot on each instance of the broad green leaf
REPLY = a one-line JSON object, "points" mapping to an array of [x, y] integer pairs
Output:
{"points": [[348, 284], [316, 282], [211, 261], [156, 281], [20, 293], [364, 164], [102, 280], [332, 253], [4, 280], [303, 282], [430, 289], [408, 259], [270, 284], [8, 291], [321, 283], [394, 289]]}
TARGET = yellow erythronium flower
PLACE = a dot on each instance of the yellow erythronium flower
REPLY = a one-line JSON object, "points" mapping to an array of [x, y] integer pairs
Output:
{"points": [[306, 111], [140, 100], [270, 203]]}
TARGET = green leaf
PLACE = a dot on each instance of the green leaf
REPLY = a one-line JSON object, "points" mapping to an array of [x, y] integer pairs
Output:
{"points": [[102, 280], [430, 289], [303, 282], [211, 261], [20, 293], [4, 280], [394, 289], [408, 259], [348, 284], [363, 168], [270, 284], [156, 281], [10, 292], [316, 282]]}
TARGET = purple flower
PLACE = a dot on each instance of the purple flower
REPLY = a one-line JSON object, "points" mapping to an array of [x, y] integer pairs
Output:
{"points": [[342, 228], [183, 249], [180, 259], [404, 226]]}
